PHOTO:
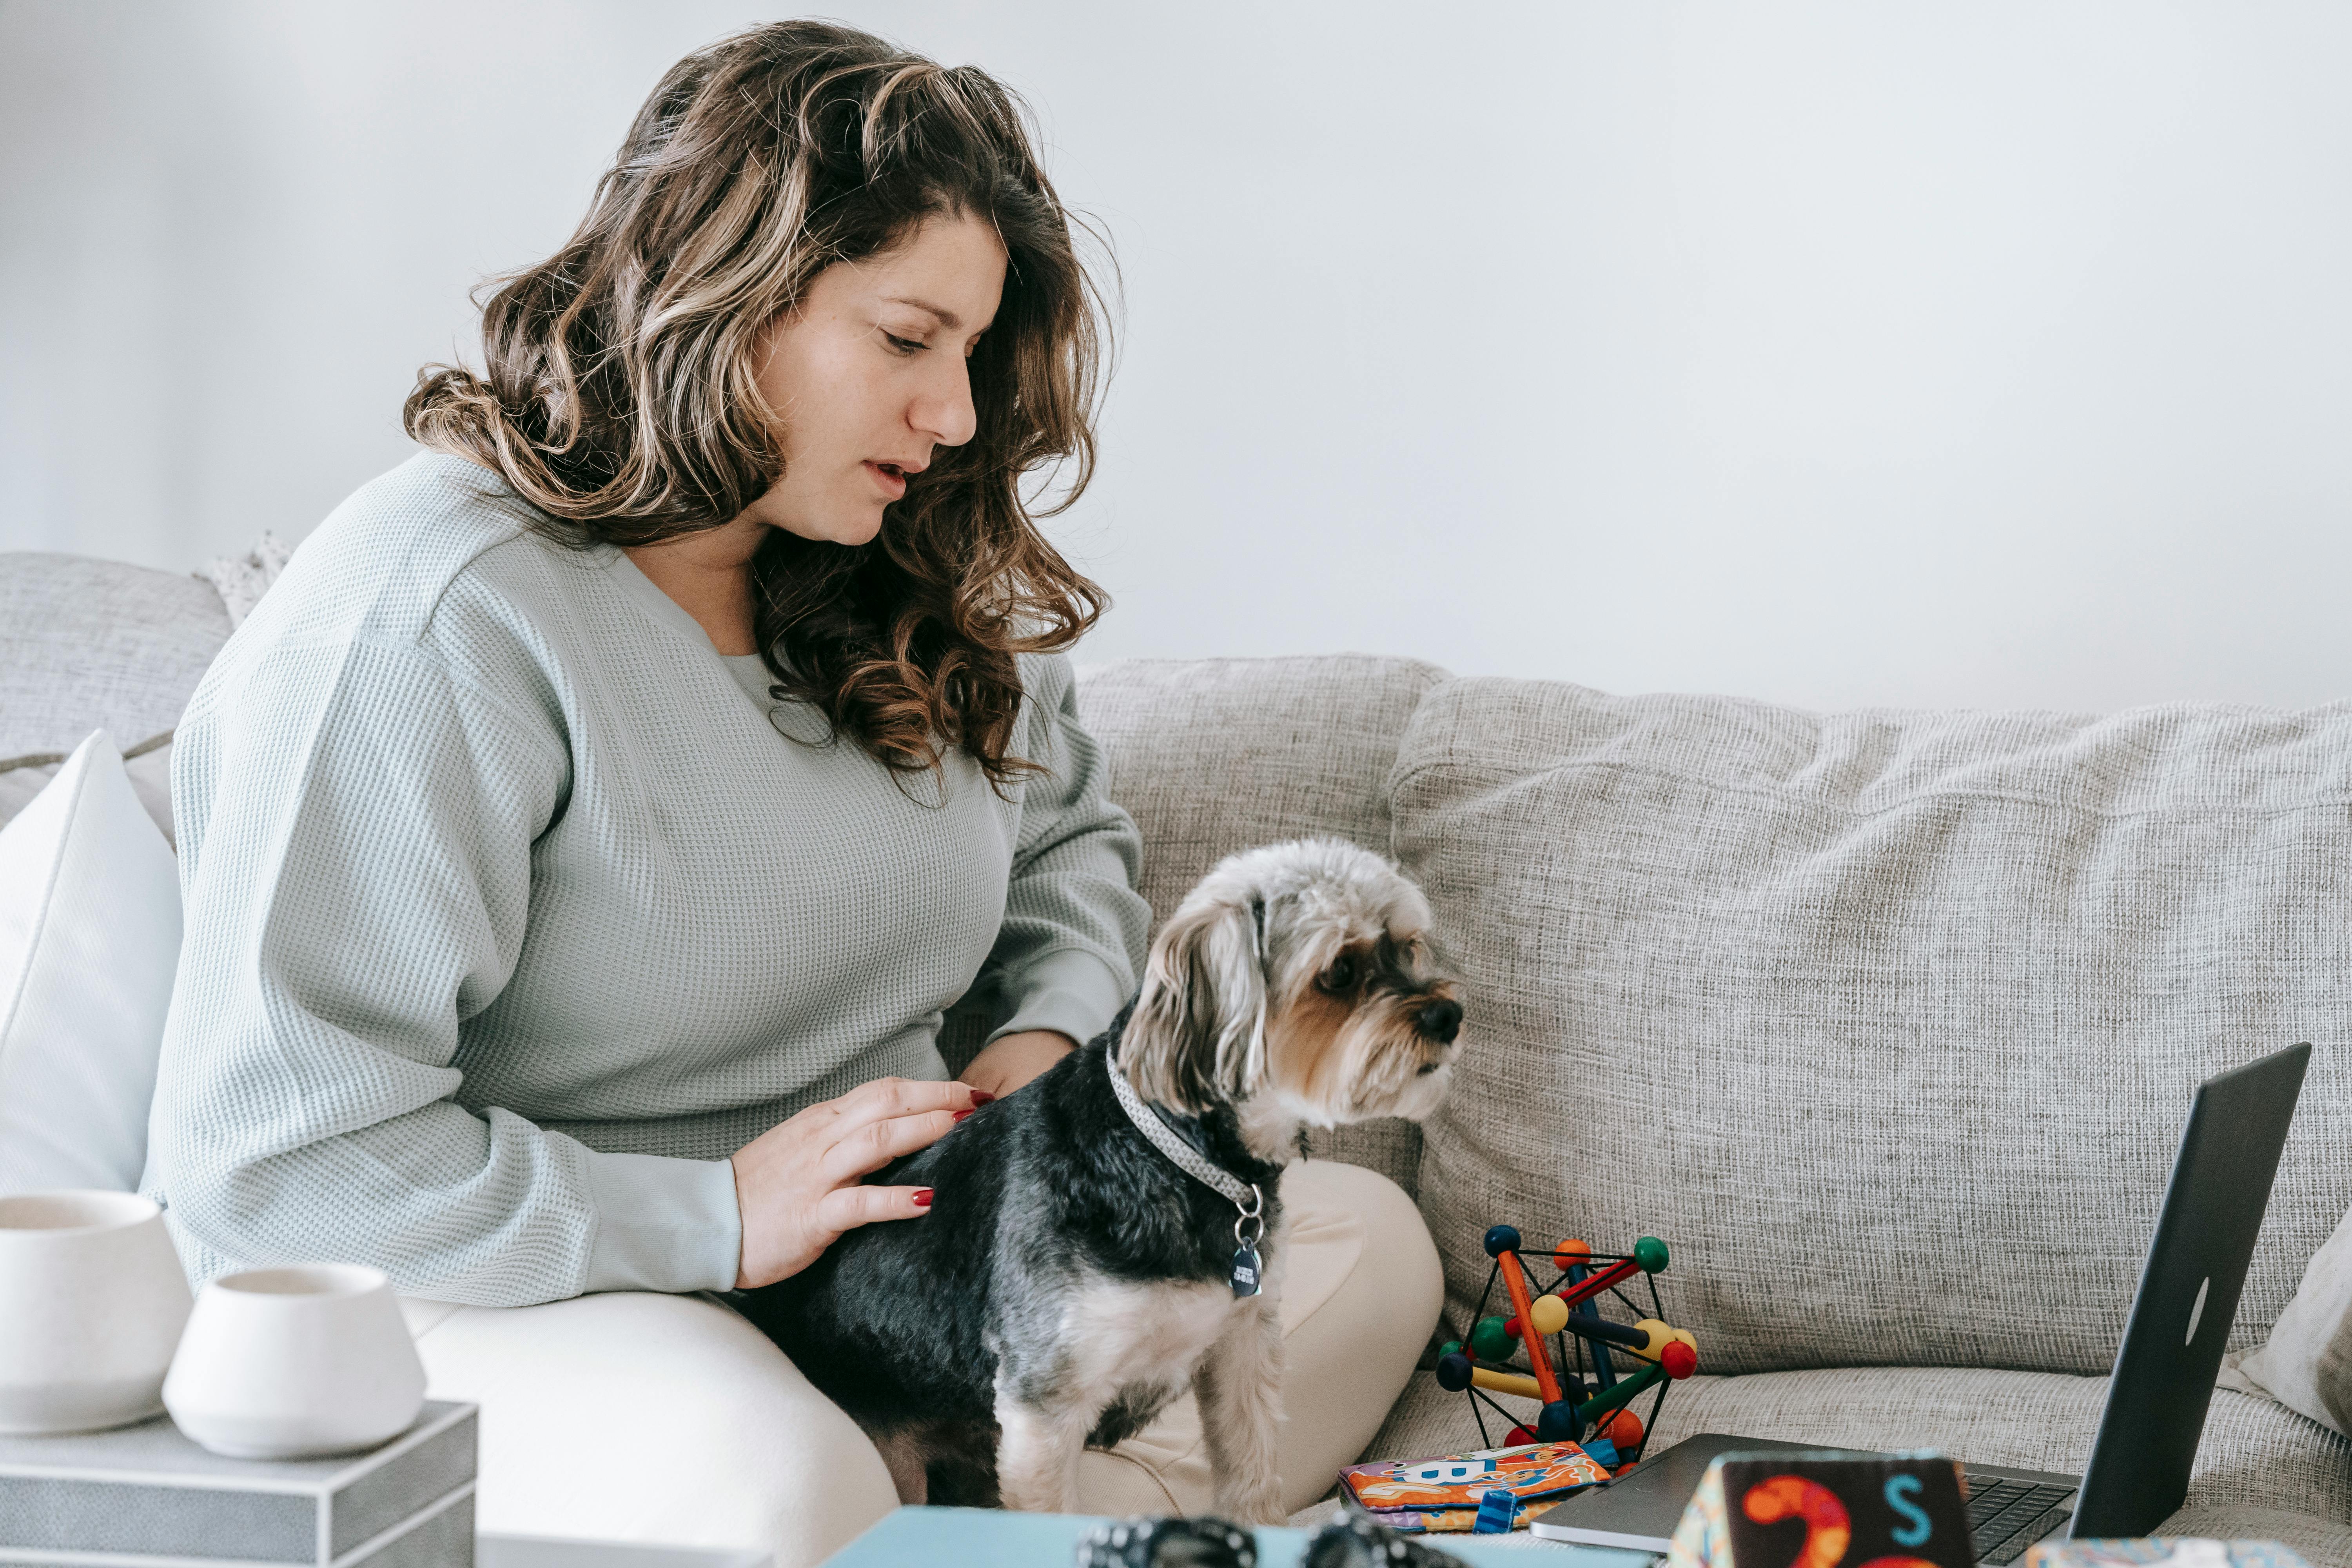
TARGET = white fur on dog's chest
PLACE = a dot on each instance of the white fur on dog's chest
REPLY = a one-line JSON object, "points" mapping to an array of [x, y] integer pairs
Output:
{"points": [[1116, 1332]]}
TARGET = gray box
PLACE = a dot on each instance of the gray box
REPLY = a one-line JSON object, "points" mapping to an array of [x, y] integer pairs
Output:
{"points": [[146, 1497]]}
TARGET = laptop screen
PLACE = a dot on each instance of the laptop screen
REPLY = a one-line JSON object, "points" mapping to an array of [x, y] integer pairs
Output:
{"points": [[2188, 1297]]}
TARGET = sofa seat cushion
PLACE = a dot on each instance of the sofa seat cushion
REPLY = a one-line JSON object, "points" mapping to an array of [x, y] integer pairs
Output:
{"points": [[1887, 1022], [2256, 1454], [99, 645]]}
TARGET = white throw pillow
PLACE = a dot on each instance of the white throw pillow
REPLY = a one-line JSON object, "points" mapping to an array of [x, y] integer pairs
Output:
{"points": [[89, 938], [149, 764], [2307, 1364]]}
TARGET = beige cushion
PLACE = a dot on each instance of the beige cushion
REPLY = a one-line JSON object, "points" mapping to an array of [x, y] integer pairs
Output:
{"points": [[1219, 754], [1886, 1022]]}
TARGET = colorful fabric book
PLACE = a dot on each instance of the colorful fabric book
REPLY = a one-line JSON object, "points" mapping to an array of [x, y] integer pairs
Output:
{"points": [[1443, 1495], [2183, 1552]]}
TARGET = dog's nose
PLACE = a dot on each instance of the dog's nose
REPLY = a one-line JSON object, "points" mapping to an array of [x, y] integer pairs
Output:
{"points": [[1441, 1020]]}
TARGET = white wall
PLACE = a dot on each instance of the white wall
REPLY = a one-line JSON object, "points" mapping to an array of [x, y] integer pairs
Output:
{"points": [[1996, 353]]}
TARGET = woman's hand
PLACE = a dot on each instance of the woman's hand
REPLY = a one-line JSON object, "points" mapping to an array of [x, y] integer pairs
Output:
{"points": [[797, 1186], [1006, 1064]]}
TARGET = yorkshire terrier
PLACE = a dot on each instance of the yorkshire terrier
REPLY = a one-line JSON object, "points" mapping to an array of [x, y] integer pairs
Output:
{"points": [[1113, 1234]]}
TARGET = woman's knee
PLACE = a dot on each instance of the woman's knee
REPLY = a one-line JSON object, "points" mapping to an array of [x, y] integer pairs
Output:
{"points": [[1354, 1231], [654, 1419], [1369, 1289]]}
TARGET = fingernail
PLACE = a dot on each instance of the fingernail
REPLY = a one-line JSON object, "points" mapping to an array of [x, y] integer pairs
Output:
{"points": [[922, 1197], [980, 1097], [962, 1114]]}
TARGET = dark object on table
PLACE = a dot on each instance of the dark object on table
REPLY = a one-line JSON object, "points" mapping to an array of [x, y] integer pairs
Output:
{"points": [[1351, 1540], [1203, 1542]]}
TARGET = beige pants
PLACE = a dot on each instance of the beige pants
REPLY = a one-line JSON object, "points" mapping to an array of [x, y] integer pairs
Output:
{"points": [[669, 1420]]}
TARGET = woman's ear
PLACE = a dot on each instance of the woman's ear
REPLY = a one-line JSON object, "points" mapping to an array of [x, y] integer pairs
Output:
{"points": [[1188, 1044]]}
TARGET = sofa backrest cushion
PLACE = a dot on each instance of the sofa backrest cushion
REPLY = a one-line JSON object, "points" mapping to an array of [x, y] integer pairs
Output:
{"points": [[89, 644], [1214, 755], [1886, 1022]]}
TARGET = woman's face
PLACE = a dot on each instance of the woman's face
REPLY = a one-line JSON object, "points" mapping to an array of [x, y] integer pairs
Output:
{"points": [[869, 376]]}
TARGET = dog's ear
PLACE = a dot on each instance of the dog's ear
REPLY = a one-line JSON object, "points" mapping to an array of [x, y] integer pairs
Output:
{"points": [[1189, 1044]]}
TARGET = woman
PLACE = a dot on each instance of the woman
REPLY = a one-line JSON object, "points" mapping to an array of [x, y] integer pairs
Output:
{"points": [[582, 841]]}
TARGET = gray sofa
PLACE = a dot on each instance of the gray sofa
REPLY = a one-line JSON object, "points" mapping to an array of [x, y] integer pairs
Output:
{"points": [[1886, 1021]]}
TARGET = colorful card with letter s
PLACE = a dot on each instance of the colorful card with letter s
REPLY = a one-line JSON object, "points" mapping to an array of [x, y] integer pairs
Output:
{"points": [[1826, 1510]]}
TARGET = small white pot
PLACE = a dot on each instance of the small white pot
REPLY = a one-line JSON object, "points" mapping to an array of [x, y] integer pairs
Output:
{"points": [[91, 1302], [293, 1364]]}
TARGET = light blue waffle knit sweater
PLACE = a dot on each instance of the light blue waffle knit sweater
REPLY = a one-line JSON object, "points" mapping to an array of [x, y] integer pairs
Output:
{"points": [[512, 908]]}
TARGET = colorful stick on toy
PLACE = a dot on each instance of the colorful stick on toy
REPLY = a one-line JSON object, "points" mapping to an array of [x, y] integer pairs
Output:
{"points": [[1576, 1252], [1503, 1247], [1506, 1382], [1592, 1326], [1616, 1274]]}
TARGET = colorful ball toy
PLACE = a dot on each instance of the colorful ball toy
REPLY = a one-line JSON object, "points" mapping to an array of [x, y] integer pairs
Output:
{"points": [[1570, 1368]]}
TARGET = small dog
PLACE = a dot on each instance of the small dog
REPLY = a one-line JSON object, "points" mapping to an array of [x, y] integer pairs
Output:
{"points": [[1080, 1270]]}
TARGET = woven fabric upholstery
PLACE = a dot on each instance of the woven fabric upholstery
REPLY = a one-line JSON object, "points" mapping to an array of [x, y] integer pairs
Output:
{"points": [[1213, 755], [90, 644], [1887, 1022], [2256, 1454]]}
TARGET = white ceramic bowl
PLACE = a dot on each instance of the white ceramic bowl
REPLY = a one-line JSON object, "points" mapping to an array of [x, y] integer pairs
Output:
{"points": [[292, 1363], [91, 1302]]}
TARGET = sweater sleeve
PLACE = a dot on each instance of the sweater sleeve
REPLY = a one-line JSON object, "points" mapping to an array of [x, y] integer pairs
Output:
{"points": [[1072, 944], [355, 864]]}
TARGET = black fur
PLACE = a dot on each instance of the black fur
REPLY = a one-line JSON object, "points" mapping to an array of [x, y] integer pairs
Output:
{"points": [[901, 1323]]}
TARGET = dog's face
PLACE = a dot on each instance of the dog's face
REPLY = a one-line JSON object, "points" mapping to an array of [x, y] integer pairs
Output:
{"points": [[1330, 946]]}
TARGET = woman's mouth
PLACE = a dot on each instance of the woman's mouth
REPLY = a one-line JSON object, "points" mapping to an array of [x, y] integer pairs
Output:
{"points": [[888, 478]]}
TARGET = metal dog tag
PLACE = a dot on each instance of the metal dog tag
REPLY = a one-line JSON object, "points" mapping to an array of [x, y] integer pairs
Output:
{"points": [[1245, 1271]]}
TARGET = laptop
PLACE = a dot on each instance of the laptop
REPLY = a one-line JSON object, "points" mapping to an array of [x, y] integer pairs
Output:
{"points": [[2164, 1372]]}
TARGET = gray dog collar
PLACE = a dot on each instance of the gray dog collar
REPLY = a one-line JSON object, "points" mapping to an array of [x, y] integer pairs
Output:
{"points": [[1250, 1224], [1189, 1159]]}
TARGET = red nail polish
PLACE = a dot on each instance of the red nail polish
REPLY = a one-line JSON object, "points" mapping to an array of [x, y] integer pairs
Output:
{"points": [[962, 1114], [922, 1197], [980, 1097]]}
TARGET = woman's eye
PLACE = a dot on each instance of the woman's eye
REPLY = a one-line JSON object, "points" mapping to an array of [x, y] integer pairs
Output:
{"points": [[904, 345]]}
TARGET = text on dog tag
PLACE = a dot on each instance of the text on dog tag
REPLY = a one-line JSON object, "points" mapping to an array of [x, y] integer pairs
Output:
{"points": [[1245, 1271]]}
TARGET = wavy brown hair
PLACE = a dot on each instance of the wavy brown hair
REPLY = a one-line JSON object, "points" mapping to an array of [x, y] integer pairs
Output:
{"points": [[619, 392]]}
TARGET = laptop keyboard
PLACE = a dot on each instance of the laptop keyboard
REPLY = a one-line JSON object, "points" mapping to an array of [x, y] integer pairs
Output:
{"points": [[2006, 1517]]}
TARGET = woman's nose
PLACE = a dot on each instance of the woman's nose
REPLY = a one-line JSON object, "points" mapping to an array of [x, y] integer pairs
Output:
{"points": [[945, 411]]}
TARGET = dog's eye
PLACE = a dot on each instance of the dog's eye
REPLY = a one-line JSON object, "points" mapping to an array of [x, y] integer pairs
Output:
{"points": [[1341, 975]]}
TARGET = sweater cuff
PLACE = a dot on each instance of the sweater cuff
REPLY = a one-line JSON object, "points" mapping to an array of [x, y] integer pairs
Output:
{"points": [[663, 1224], [1069, 989]]}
